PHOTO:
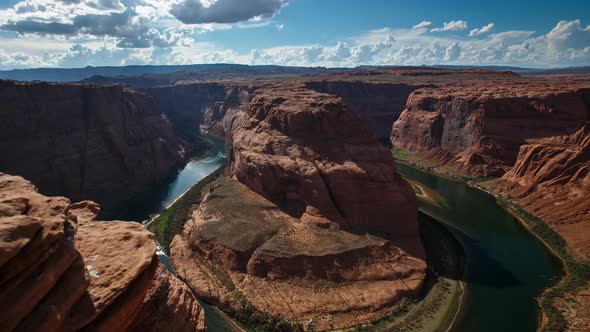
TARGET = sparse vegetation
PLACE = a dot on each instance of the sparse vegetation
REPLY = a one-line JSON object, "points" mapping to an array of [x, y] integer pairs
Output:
{"points": [[577, 274], [432, 166], [417, 190], [172, 220]]}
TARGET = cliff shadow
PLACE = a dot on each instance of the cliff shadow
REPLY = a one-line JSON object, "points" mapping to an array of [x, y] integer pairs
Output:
{"points": [[449, 251]]}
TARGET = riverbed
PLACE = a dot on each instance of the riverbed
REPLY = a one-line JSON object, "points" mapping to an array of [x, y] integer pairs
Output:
{"points": [[507, 268]]}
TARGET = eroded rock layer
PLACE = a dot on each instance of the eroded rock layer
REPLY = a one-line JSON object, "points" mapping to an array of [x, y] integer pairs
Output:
{"points": [[62, 271], [551, 179], [313, 225], [105, 143], [478, 129], [317, 160]]}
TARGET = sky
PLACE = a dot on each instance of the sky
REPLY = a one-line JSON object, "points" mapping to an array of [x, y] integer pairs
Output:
{"points": [[331, 33]]}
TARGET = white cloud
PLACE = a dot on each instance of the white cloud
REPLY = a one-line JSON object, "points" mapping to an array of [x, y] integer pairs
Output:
{"points": [[453, 52], [452, 26], [424, 25], [134, 23], [567, 44], [485, 29], [223, 11]]}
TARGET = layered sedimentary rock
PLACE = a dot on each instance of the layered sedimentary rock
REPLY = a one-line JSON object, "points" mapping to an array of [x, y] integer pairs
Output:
{"points": [[212, 107], [105, 143], [380, 104], [551, 179], [319, 161], [478, 129], [61, 270], [313, 224]]}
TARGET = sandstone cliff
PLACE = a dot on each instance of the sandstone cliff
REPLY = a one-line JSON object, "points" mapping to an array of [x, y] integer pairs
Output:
{"points": [[313, 225], [62, 271], [212, 107], [105, 143], [319, 161], [478, 129], [379, 104], [551, 179]]}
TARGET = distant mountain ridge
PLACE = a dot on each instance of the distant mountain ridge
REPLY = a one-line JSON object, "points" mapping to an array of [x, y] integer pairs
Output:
{"points": [[217, 71], [207, 71]]}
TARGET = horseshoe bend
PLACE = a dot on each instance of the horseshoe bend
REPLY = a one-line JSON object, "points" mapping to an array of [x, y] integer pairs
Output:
{"points": [[282, 165]]}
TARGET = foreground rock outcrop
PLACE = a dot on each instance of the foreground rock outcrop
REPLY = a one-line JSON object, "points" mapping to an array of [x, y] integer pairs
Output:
{"points": [[478, 129], [105, 143], [312, 227], [62, 271]]}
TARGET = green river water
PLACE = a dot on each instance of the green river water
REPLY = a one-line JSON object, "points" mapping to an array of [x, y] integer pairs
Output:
{"points": [[506, 266]]}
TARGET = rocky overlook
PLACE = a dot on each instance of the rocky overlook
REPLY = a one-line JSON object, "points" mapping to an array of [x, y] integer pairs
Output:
{"points": [[311, 218], [105, 143], [61, 270]]}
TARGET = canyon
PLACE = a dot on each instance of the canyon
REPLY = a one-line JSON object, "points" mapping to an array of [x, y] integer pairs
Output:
{"points": [[529, 139], [311, 226], [104, 143]]}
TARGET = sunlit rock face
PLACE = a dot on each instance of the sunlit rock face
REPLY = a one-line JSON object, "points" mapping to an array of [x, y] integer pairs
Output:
{"points": [[478, 128], [311, 218], [61, 270]]}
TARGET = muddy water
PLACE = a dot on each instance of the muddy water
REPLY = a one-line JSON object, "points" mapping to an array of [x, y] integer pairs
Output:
{"points": [[506, 267]]}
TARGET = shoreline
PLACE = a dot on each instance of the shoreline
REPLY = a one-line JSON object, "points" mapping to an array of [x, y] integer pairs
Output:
{"points": [[543, 320], [443, 298]]}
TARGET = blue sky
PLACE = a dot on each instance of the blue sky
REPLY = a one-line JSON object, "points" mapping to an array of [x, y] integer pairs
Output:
{"points": [[76, 33]]}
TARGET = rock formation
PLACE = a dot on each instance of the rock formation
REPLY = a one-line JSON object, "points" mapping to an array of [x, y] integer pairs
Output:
{"points": [[318, 161], [212, 107], [551, 179], [478, 129], [380, 104], [105, 143], [62, 271], [313, 224]]}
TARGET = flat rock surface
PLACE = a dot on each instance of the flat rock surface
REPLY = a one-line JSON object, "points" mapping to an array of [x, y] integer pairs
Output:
{"points": [[287, 268]]}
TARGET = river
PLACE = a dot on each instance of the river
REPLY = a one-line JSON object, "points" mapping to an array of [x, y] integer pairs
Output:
{"points": [[506, 266], [193, 172]]}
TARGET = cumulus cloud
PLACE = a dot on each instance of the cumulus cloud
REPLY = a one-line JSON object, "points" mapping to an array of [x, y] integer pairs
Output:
{"points": [[424, 25], [453, 52], [567, 44], [134, 23], [485, 29], [223, 11], [452, 26]]}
